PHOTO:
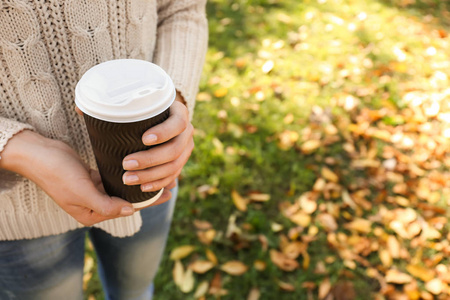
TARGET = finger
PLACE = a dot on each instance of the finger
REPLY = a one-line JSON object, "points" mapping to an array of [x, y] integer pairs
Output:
{"points": [[78, 111], [161, 154], [158, 172], [171, 185], [176, 123], [160, 183]]}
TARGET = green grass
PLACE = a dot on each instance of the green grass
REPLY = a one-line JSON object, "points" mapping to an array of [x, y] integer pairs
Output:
{"points": [[321, 51]]}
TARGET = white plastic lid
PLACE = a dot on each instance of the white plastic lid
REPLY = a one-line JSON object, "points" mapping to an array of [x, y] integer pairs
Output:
{"points": [[124, 90]]}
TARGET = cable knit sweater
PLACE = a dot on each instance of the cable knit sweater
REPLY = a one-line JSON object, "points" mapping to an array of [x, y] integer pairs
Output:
{"points": [[45, 48]]}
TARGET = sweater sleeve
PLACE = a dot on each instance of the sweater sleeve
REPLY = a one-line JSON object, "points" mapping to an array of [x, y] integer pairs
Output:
{"points": [[8, 128], [182, 44]]}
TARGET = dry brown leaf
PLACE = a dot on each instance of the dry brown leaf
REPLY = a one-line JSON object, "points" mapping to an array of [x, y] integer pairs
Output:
{"points": [[239, 201], [201, 266], [324, 288], [282, 261], [201, 290], [397, 277], [254, 294], [234, 267], [286, 286], [211, 256], [181, 252], [215, 287], [206, 237], [424, 274], [319, 185], [393, 246], [310, 146], [329, 175], [385, 257], [344, 290]]}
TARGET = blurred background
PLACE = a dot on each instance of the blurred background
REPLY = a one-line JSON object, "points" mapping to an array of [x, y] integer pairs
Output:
{"points": [[321, 167]]}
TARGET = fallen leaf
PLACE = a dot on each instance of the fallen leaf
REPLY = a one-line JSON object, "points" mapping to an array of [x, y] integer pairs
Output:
{"points": [[286, 286], [301, 218], [206, 237], [360, 225], [282, 261], [268, 66], [310, 146], [308, 202], [259, 265], [181, 252], [424, 274], [201, 290], [259, 197], [324, 288], [239, 201], [211, 256], [234, 267], [201, 266], [221, 92], [202, 225], [329, 175], [435, 286], [395, 276], [327, 221], [294, 249], [178, 273], [254, 294]]}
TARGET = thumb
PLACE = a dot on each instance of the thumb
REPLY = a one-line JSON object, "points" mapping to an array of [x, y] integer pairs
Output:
{"points": [[106, 206]]}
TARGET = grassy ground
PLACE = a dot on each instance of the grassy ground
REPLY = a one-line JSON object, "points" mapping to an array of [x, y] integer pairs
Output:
{"points": [[321, 160]]}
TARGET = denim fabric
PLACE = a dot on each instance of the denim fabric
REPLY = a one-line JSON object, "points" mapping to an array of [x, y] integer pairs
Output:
{"points": [[51, 267]]}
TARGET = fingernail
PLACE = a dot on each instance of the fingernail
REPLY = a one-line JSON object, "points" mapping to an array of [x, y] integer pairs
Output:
{"points": [[146, 187], [130, 164], [130, 179], [149, 139], [126, 211]]}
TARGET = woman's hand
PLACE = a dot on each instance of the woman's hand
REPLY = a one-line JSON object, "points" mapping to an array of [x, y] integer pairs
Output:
{"points": [[59, 171], [159, 166]]}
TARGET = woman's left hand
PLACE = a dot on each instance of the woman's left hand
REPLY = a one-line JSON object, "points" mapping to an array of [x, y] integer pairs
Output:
{"points": [[159, 166]]}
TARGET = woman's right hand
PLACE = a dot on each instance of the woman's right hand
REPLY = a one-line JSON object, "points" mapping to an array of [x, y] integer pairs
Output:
{"points": [[59, 171]]}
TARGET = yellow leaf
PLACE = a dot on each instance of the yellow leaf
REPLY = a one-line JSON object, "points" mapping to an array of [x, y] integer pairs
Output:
{"points": [[188, 282], [239, 201], [202, 289], [327, 221], [393, 246], [397, 277], [178, 273], [181, 252], [234, 267], [221, 92], [310, 146], [329, 175], [420, 272], [201, 266], [385, 257], [211, 256]]}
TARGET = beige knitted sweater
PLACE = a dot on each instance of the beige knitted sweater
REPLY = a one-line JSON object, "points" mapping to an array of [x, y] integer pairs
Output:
{"points": [[45, 48]]}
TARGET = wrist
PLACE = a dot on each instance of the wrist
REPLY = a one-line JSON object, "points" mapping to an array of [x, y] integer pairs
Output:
{"points": [[18, 152]]}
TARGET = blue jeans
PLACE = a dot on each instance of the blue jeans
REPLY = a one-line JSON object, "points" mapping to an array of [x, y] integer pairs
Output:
{"points": [[51, 267]]}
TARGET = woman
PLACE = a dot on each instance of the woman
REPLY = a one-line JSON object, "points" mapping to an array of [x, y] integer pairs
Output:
{"points": [[49, 191]]}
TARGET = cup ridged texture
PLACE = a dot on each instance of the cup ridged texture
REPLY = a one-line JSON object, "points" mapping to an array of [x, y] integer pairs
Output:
{"points": [[111, 142]]}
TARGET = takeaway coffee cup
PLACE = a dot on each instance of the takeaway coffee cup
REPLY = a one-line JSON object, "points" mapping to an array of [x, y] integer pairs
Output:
{"points": [[120, 100]]}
